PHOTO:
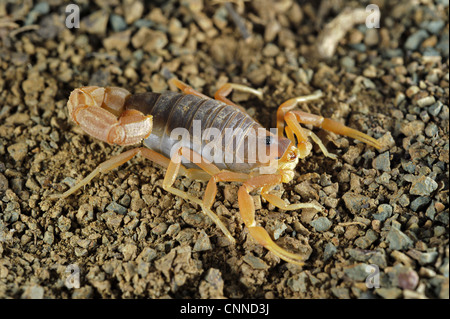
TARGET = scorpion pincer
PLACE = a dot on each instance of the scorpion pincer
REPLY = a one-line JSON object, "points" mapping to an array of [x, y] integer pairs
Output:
{"points": [[115, 116]]}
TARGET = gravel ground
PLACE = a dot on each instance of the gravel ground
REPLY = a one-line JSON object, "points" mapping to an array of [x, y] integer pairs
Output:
{"points": [[123, 236]]}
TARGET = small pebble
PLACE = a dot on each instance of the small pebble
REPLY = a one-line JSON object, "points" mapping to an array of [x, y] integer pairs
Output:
{"points": [[115, 207], [398, 240], [355, 202], [3, 183], [133, 10], [423, 186], [389, 293], [298, 283], [49, 237], [419, 202], [341, 292], [444, 268], [382, 162], [160, 229], [408, 279], [371, 37], [33, 292], [415, 40], [431, 130], [329, 251], [203, 243], [426, 101], [384, 212], [255, 262], [117, 23], [357, 272], [117, 41], [365, 241], [96, 23], [435, 27], [18, 151], [279, 230], [321, 224], [412, 128], [435, 108]]}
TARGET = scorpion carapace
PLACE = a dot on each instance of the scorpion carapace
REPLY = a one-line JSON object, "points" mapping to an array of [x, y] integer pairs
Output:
{"points": [[203, 150]]}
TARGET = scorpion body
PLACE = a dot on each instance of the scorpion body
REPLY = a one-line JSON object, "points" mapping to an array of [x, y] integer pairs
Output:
{"points": [[174, 111], [115, 116]]}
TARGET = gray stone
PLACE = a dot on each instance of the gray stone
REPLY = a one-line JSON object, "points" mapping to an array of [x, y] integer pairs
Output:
{"points": [[398, 240], [255, 262], [419, 202], [203, 243], [321, 224], [365, 241], [279, 230], [347, 63], [408, 166], [384, 212], [428, 257], [435, 108], [415, 40], [117, 208], [341, 293], [404, 200], [298, 282], [329, 251], [383, 179], [355, 202], [49, 237], [357, 272], [435, 27], [160, 229], [382, 162], [444, 268], [117, 23], [439, 231], [423, 186], [443, 217], [431, 130]]}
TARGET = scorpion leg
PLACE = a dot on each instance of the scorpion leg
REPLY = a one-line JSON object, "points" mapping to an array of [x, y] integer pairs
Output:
{"points": [[329, 125], [280, 203], [291, 104], [247, 210], [222, 93], [186, 89], [122, 158], [171, 175], [102, 168], [302, 136], [211, 190]]}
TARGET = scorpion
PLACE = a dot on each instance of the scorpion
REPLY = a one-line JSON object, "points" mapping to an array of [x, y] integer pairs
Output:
{"points": [[115, 116]]}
